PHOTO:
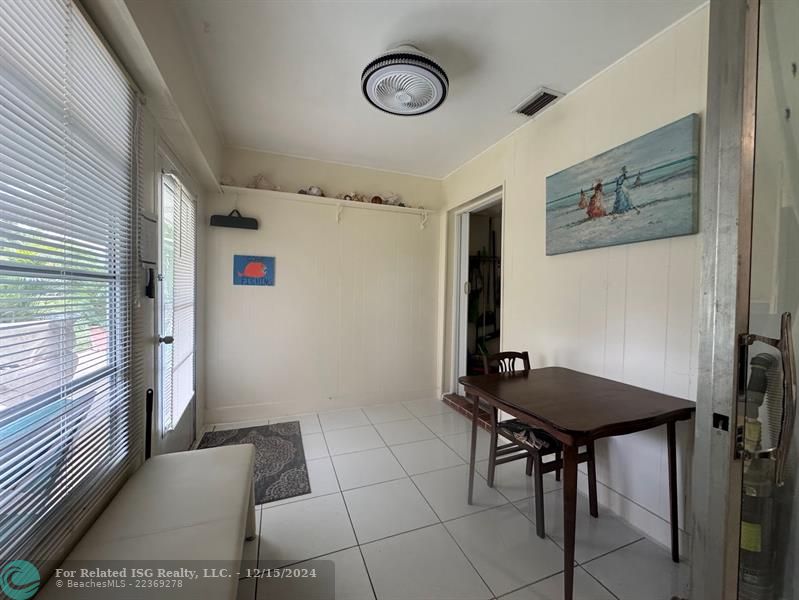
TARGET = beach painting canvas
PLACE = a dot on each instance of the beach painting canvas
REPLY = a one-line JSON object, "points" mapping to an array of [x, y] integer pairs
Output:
{"points": [[643, 190]]}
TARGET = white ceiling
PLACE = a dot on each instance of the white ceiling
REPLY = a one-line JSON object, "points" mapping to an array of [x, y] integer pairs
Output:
{"points": [[285, 76]]}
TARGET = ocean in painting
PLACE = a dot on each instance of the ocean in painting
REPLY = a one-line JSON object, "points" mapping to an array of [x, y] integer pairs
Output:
{"points": [[642, 190]]}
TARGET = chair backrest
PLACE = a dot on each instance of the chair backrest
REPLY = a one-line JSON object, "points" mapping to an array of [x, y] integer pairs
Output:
{"points": [[505, 362]]}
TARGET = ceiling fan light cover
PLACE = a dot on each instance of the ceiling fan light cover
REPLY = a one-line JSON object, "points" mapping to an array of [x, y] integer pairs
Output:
{"points": [[404, 82]]}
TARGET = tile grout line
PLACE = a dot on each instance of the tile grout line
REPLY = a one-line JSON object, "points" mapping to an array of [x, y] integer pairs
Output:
{"points": [[554, 541], [360, 545], [590, 560], [604, 587], [512, 503], [374, 426], [537, 581], [349, 516], [439, 437], [328, 457], [526, 585], [267, 421], [440, 522], [317, 557], [391, 535], [390, 420]]}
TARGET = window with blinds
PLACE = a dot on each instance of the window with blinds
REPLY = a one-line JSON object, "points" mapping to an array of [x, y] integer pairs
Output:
{"points": [[69, 428], [178, 226]]}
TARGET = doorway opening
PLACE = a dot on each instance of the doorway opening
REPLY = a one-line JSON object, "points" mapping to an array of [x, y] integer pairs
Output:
{"points": [[477, 299], [484, 300]]}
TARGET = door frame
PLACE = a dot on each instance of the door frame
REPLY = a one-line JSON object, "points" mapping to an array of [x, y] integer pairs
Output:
{"points": [[726, 225], [459, 323], [167, 163]]}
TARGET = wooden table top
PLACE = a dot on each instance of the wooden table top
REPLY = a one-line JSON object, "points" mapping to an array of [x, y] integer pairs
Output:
{"points": [[578, 404]]}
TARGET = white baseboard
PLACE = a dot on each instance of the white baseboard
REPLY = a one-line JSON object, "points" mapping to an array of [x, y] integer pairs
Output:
{"points": [[249, 412]]}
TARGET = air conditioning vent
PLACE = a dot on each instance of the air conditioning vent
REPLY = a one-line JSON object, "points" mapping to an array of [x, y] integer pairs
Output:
{"points": [[542, 98]]}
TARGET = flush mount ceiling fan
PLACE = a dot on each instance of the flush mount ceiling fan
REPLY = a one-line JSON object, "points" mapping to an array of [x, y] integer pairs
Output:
{"points": [[404, 81]]}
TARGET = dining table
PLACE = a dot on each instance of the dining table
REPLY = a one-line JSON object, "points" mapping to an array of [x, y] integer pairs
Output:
{"points": [[576, 409]]}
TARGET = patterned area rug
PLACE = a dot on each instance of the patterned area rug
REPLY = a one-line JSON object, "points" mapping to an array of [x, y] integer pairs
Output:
{"points": [[280, 470]]}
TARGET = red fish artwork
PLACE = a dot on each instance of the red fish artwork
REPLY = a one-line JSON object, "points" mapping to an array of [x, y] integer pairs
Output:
{"points": [[254, 269]]}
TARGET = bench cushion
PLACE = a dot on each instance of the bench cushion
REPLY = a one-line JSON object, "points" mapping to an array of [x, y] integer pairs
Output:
{"points": [[187, 506], [173, 491]]}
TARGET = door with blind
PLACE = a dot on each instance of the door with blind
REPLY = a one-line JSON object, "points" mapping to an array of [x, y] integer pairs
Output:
{"points": [[70, 397], [176, 315]]}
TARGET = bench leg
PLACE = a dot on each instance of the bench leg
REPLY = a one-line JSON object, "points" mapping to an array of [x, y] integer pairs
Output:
{"points": [[250, 532]]}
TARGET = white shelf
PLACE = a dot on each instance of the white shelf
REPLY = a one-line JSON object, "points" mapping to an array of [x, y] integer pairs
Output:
{"points": [[233, 190]]}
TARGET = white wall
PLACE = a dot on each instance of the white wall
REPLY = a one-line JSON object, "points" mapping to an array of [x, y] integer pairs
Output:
{"points": [[627, 313], [352, 320], [292, 174]]}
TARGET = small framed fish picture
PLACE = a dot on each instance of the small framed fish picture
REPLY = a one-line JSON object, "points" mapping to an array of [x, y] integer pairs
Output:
{"points": [[643, 190], [253, 270]]}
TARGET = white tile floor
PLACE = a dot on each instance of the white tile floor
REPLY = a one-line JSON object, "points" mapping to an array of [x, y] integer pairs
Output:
{"points": [[388, 508]]}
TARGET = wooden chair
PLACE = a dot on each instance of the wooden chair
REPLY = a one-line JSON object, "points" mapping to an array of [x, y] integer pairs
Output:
{"points": [[506, 362]]}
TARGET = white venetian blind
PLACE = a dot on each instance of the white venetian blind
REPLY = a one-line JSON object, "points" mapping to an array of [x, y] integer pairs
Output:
{"points": [[70, 428], [178, 226]]}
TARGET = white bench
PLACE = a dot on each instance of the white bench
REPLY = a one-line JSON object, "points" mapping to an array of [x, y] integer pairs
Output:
{"points": [[188, 506]]}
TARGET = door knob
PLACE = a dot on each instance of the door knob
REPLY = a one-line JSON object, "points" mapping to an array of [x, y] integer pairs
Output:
{"points": [[167, 339]]}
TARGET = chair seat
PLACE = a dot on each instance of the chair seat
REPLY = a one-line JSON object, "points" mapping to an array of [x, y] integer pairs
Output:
{"points": [[528, 436]]}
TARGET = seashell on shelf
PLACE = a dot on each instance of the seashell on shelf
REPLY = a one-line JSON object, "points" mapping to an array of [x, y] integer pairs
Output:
{"points": [[392, 198], [261, 182]]}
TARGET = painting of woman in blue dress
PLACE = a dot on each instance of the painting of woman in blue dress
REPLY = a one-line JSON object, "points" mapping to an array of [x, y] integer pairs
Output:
{"points": [[644, 189], [623, 202]]}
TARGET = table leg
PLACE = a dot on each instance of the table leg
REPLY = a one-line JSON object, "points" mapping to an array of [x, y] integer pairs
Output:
{"points": [[671, 435], [569, 517], [475, 413], [492, 451], [592, 502], [539, 496]]}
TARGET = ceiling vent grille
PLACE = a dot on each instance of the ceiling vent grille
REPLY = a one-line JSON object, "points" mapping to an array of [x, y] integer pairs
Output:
{"points": [[542, 98]]}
